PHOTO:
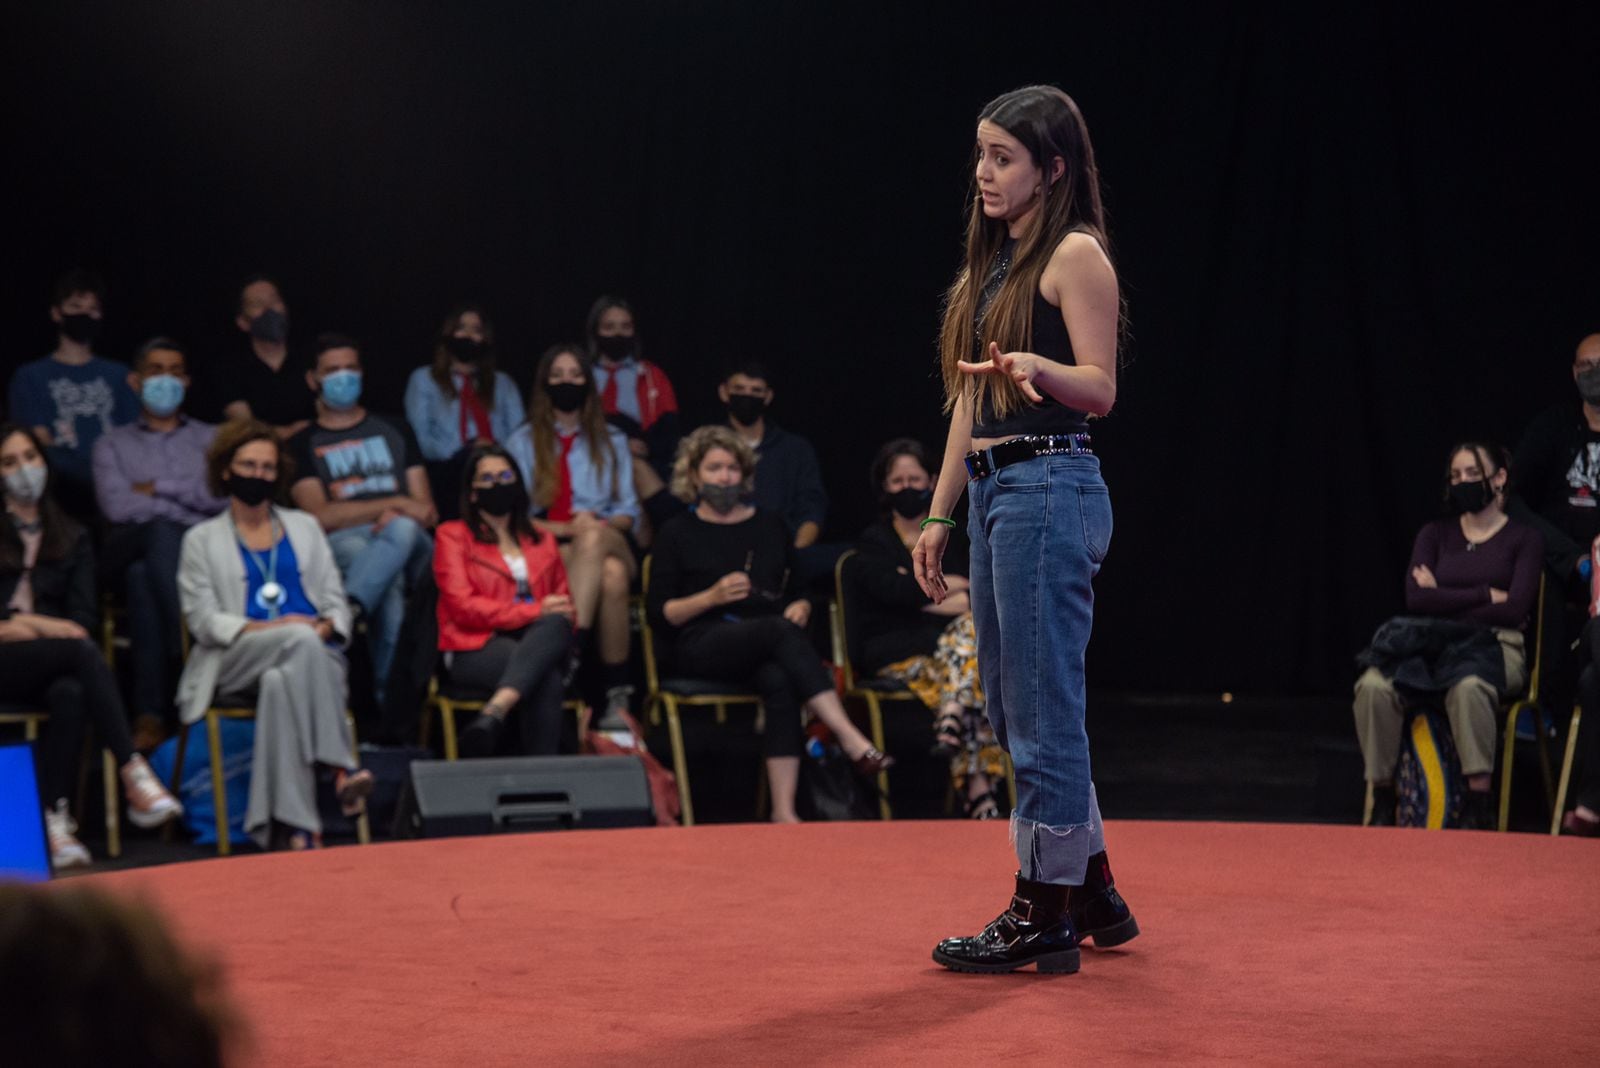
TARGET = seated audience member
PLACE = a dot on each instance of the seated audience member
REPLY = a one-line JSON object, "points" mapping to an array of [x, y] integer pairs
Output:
{"points": [[579, 476], [91, 977], [71, 397], [267, 615], [265, 383], [460, 400], [719, 591], [897, 632], [362, 477], [638, 399], [505, 614], [150, 481], [788, 479], [48, 660], [1478, 569]]}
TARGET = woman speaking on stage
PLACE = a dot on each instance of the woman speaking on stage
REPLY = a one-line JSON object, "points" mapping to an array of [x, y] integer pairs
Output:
{"points": [[1028, 352]]}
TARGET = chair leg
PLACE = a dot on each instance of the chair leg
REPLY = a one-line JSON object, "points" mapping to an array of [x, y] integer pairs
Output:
{"points": [[680, 764], [108, 765], [447, 723], [1011, 781], [219, 792], [1560, 808], [1509, 752], [875, 721]]}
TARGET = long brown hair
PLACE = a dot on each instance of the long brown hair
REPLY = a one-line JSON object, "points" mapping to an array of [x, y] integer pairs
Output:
{"points": [[441, 354], [1048, 124], [57, 532], [592, 427]]}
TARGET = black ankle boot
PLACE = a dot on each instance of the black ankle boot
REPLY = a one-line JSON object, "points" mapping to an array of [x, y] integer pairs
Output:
{"points": [[1036, 929], [1098, 911]]}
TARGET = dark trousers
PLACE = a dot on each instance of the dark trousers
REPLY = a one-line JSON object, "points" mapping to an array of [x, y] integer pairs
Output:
{"points": [[67, 678], [533, 663], [145, 556], [1586, 761], [771, 656]]}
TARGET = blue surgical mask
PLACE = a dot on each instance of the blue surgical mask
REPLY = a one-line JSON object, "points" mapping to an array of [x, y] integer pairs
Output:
{"points": [[341, 390], [162, 395]]}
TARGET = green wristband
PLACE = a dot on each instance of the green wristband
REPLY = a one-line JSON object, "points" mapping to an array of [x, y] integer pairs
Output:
{"points": [[937, 519]]}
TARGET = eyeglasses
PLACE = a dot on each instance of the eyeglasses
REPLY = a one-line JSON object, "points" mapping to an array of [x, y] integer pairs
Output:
{"points": [[499, 478], [254, 469]]}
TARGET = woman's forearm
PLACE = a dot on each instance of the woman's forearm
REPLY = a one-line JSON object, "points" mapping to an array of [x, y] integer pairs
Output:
{"points": [[681, 610], [1085, 387], [953, 469]]}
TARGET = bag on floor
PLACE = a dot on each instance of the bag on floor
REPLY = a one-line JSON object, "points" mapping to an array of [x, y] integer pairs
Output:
{"points": [[1429, 784], [830, 789], [194, 787], [663, 784]]}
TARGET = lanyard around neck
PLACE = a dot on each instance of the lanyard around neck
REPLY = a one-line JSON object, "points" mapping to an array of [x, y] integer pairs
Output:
{"points": [[272, 593]]}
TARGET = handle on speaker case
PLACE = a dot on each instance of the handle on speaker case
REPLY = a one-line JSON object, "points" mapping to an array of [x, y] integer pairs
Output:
{"points": [[509, 815]]}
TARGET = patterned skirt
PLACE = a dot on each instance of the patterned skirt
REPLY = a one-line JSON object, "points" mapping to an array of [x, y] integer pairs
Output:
{"points": [[950, 675]]}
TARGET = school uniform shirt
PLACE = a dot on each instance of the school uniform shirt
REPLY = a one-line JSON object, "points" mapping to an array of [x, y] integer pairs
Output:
{"points": [[605, 493], [436, 419]]}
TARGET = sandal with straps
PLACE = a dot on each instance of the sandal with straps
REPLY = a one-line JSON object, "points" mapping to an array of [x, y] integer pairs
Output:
{"points": [[949, 734]]}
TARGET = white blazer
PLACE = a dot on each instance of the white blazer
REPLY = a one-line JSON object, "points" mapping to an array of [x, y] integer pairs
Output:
{"points": [[212, 586]]}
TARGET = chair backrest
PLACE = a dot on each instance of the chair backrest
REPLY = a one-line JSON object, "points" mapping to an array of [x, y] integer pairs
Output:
{"points": [[647, 636], [842, 618]]}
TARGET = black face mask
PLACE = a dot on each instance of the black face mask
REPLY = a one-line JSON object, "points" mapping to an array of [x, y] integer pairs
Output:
{"points": [[249, 490], [746, 409], [1589, 386], [466, 349], [616, 347], [910, 503], [80, 328], [722, 499], [271, 326], [566, 397], [1469, 497], [499, 499]]}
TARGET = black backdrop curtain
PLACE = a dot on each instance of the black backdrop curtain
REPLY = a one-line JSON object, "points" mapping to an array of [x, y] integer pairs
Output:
{"points": [[1347, 237]]}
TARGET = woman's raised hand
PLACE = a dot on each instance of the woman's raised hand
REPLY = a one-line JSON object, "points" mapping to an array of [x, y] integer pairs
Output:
{"points": [[1023, 367], [927, 561], [732, 587]]}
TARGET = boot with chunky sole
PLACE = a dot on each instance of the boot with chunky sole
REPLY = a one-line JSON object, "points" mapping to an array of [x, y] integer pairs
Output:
{"points": [[1037, 929]]}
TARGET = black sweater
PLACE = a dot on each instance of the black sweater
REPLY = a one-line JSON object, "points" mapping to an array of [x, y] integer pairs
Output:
{"points": [[691, 555], [1556, 473], [61, 588], [884, 602]]}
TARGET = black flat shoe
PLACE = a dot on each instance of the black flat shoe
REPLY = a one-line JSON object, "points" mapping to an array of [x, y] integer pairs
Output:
{"points": [[1037, 929], [1098, 911], [482, 736]]}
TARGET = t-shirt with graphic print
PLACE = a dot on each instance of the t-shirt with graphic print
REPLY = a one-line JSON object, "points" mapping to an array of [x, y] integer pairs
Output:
{"points": [[75, 402], [358, 463], [1556, 473]]}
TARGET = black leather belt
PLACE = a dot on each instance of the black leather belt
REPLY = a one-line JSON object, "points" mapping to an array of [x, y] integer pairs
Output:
{"points": [[985, 462]]}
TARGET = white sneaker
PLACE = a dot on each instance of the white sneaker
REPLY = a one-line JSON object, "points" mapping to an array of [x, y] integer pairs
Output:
{"points": [[65, 849], [149, 803]]}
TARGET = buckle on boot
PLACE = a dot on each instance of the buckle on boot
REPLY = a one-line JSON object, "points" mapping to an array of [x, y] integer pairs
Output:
{"points": [[1025, 911]]}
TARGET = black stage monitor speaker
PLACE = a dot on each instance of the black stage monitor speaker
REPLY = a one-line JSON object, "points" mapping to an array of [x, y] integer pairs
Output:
{"points": [[445, 798]]}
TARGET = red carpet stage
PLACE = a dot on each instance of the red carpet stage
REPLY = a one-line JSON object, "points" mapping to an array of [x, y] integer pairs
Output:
{"points": [[752, 944]]}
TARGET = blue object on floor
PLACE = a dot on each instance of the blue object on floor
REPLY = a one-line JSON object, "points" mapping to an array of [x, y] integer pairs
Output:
{"points": [[194, 789]]}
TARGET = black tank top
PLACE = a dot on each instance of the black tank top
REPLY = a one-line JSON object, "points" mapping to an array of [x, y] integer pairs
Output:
{"points": [[1050, 340]]}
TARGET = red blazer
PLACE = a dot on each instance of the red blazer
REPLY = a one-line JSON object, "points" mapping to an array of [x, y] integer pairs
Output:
{"points": [[478, 595]]}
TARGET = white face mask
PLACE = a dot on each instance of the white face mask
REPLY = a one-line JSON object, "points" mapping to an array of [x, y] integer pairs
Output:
{"points": [[26, 483]]}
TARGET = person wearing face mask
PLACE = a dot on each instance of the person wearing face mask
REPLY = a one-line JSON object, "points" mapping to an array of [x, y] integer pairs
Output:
{"points": [[265, 382], [1478, 567], [47, 659], [505, 610], [460, 400], [267, 615], [150, 482], [637, 398], [579, 478], [73, 396], [362, 476], [788, 477], [721, 591], [897, 632]]}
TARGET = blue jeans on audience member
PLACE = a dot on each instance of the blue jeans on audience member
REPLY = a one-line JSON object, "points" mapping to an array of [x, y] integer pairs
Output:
{"points": [[146, 555], [1039, 531], [378, 566]]}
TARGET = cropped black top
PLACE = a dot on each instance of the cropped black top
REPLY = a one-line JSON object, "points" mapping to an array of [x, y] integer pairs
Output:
{"points": [[1050, 340]]}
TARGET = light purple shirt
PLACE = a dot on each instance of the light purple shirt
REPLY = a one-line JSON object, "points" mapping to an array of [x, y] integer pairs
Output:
{"points": [[175, 461]]}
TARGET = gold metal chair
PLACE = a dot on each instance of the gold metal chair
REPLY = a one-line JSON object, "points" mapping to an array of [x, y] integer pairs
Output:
{"points": [[876, 691], [674, 693], [31, 720], [450, 699], [1560, 807], [236, 707], [1529, 700]]}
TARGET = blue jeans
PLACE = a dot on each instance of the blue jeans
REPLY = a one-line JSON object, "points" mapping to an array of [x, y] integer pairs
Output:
{"points": [[1039, 530], [377, 567]]}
